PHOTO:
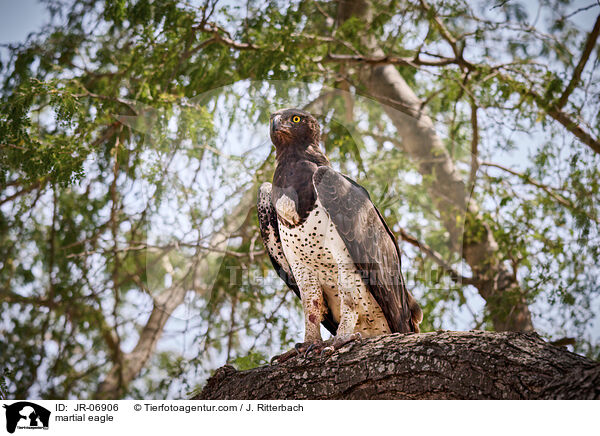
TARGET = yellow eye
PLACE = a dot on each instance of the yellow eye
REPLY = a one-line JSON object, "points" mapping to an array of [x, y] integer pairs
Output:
{"points": [[296, 119]]}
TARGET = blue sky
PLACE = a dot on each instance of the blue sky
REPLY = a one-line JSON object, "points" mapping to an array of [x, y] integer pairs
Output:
{"points": [[20, 17]]}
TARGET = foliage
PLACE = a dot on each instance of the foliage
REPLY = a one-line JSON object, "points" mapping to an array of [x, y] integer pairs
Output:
{"points": [[134, 138]]}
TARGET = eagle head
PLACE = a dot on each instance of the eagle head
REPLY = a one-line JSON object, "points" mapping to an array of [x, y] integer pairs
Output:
{"points": [[294, 127]]}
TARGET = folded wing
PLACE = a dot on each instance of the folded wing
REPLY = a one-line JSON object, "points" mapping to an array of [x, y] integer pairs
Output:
{"points": [[371, 244]]}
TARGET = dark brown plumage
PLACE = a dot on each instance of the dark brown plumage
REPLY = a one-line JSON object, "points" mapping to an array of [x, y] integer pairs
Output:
{"points": [[298, 157]]}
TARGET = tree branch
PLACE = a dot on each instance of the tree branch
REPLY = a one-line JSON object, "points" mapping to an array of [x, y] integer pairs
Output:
{"points": [[442, 29], [437, 365], [585, 55], [554, 112], [387, 59], [218, 32], [35, 185], [437, 258], [447, 35], [121, 374], [571, 125], [548, 190], [474, 146]]}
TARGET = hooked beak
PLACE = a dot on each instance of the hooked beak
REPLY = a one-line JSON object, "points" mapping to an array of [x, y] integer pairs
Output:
{"points": [[275, 123]]}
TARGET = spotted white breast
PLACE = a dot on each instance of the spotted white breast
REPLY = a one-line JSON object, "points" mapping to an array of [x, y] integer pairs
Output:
{"points": [[315, 252]]}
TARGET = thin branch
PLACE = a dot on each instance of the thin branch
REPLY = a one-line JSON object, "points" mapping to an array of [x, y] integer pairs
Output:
{"points": [[388, 59], [452, 41], [328, 17], [582, 9], [443, 30], [217, 32], [121, 374], [549, 190], [474, 145], [437, 258], [585, 55], [114, 226], [554, 112], [39, 184]]}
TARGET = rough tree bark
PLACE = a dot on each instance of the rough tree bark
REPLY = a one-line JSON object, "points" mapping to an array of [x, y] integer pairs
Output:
{"points": [[474, 239], [438, 365]]}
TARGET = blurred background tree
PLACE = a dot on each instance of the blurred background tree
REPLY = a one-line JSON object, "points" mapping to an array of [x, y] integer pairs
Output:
{"points": [[133, 137]]}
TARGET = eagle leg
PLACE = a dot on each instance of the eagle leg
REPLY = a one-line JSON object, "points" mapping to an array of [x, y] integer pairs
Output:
{"points": [[314, 308]]}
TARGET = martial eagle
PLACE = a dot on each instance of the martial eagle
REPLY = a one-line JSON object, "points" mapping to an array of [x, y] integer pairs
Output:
{"points": [[329, 243]]}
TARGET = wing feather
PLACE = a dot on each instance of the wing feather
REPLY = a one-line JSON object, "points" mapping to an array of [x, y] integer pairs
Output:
{"points": [[371, 244]]}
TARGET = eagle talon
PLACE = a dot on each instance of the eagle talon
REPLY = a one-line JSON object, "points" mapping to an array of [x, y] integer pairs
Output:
{"points": [[324, 348], [310, 348], [327, 351], [276, 360], [342, 340], [314, 347], [298, 347]]}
